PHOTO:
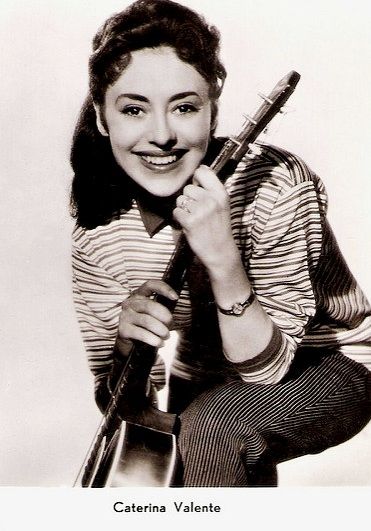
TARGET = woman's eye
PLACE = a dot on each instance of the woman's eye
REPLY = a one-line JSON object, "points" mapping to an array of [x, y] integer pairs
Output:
{"points": [[185, 108], [132, 110]]}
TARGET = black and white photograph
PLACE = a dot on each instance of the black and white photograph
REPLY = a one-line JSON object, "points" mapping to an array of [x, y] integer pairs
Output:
{"points": [[185, 285]]}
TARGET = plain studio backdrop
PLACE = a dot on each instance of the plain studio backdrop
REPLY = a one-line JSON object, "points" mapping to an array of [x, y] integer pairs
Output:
{"points": [[48, 416]]}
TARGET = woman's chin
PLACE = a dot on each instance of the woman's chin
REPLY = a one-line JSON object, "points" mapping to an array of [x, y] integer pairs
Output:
{"points": [[165, 189], [167, 192]]}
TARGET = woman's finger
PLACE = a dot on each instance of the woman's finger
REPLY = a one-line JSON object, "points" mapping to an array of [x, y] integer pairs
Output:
{"points": [[194, 192], [136, 333], [185, 202], [206, 178], [156, 286], [146, 306], [182, 217], [145, 321]]}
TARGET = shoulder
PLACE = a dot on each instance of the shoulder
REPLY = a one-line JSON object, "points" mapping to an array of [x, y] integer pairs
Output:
{"points": [[275, 187], [278, 167], [94, 241], [275, 173]]}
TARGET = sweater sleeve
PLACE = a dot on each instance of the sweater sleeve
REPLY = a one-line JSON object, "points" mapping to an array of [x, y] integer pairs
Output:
{"points": [[286, 240], [98, 297]]}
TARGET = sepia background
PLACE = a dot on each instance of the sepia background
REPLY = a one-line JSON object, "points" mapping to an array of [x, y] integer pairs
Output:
{"points": [[48, 416]]}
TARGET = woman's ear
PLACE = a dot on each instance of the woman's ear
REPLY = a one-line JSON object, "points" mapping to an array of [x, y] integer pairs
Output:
{"points": [[214, 116], [101, 127]]}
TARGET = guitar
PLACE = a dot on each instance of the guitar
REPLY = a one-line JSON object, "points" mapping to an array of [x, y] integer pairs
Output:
{"points": [[135, 444]]}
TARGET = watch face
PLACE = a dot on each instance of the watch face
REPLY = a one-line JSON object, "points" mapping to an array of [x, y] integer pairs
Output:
{"points": [[237, 308]]}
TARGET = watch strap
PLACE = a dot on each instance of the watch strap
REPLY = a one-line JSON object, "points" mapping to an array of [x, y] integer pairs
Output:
{"points": [[238, 308]]}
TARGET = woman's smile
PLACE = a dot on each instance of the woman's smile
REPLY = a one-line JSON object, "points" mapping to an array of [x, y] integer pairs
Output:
{"points": [[158, 119], [161, 161]]}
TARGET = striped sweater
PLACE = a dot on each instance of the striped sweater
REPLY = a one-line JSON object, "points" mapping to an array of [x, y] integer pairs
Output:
{"points": [[278, 216]]}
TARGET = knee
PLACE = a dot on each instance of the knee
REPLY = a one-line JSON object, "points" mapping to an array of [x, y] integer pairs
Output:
{"points": [[205, 415], [214, 420]]}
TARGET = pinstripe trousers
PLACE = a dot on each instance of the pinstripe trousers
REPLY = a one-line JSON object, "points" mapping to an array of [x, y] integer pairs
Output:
{"points": [[234, 434]]}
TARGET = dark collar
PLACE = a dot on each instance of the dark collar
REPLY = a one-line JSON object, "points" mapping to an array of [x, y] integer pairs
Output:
{"points": [[156, 213]]}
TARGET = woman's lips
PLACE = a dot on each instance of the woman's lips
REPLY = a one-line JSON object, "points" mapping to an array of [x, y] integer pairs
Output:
{"points": [[161, 159], [161, 162]]}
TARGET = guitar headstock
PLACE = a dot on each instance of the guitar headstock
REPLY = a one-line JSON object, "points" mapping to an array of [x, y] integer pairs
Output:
{"points": [[236, 147], [271, 105], [284, 88]]}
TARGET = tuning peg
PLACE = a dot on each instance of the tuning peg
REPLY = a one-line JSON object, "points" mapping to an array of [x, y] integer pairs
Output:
{"points": [[249, 119], [265, 98], [235, 141]]}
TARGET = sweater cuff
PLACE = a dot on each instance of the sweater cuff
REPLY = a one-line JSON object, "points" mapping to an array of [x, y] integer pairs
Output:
{"points": [[265, 357]]}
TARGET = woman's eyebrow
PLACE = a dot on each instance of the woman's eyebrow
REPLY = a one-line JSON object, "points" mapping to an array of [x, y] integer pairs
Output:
{"points": [[135, 97], [182, 95], [175, 97]]}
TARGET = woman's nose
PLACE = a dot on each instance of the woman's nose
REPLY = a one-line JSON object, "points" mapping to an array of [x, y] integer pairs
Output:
{"points": [[162, 133]]}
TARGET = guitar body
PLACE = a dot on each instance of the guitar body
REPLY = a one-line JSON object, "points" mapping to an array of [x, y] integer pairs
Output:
{"points": [[131, 456], [146, 458]]}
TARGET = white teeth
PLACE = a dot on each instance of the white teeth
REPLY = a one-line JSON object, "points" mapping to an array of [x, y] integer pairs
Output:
{"points": [[161, 161]]}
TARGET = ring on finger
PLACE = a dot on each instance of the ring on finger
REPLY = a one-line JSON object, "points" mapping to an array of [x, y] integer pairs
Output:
{"points": [[183, 203]]}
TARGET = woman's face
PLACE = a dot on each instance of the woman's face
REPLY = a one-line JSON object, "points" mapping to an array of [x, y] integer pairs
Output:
{"points": [[157, 115]]}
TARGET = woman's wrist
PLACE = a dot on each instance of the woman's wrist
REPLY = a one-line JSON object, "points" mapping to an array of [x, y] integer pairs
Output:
{"points": [[229, 281], [225, 263]]}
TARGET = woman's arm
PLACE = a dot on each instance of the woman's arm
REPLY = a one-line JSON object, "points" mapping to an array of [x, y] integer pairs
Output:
{"points": [[100, 300], [263, 339], [206, 224]]}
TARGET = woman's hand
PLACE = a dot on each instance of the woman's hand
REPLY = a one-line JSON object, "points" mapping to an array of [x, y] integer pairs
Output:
{"points": [[203, 212], [143, 319]]}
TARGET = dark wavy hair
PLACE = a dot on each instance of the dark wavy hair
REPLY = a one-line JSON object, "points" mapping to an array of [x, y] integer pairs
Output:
{"points": [[100, 188]]}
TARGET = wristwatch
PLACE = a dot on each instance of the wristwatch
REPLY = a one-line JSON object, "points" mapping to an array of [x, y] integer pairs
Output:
{"points": [[238, 308]]}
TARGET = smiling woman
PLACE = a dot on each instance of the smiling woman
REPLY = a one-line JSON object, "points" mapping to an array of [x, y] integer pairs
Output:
{"points": [[159, 132], [268, 308]]}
